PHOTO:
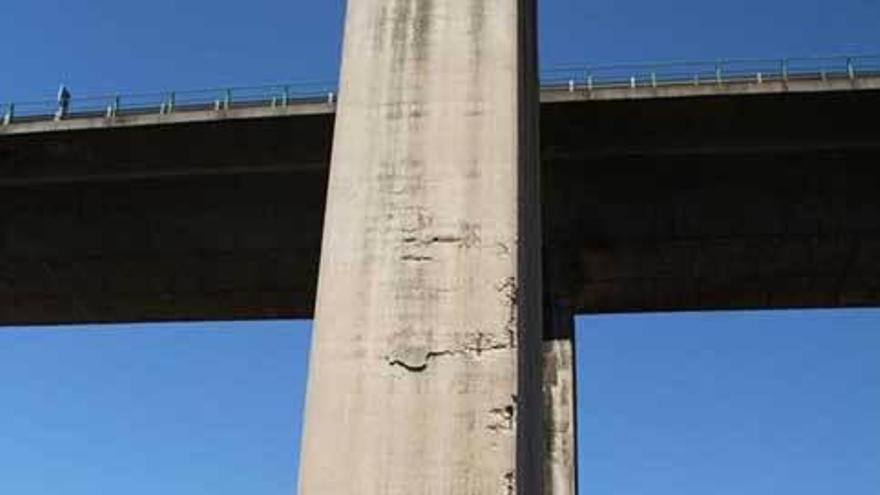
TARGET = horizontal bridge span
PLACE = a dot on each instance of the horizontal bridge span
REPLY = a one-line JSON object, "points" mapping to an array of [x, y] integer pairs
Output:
{"points": [[723, 200]]}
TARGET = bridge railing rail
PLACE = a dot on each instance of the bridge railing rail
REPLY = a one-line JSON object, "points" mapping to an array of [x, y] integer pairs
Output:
{"points": [[169, 102], [572, 78], [712, 72]]}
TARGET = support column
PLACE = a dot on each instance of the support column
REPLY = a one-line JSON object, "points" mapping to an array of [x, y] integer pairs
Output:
{"points": [[425, 374], [560, 462]]}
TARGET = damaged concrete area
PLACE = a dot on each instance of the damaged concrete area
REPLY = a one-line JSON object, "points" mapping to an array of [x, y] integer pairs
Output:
{"points": [[417, 359], [503, 418]]}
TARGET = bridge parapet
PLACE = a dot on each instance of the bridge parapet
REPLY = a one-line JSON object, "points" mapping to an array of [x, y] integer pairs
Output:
{"points": [[718, 72], [567, 83]]}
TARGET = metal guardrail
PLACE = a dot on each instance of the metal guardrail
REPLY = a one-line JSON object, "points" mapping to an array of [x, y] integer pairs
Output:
{"points": [[169, 102], [586, 78], [716, 72]]}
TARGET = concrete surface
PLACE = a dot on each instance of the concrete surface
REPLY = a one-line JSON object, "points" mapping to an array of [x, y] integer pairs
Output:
{"points": [[425, 369]]}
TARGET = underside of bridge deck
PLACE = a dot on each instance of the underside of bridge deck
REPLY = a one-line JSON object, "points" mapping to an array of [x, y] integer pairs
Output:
{"points": [[721, 202]]}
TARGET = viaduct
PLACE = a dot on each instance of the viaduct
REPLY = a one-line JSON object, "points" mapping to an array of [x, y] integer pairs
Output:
{"points": [[442, 221]]}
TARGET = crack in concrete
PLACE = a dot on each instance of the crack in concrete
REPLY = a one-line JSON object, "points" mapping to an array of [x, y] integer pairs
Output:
{"points": [[468, 236], [437, 239], [416, 258], [422, 366], [417, 361], [483, 342]]}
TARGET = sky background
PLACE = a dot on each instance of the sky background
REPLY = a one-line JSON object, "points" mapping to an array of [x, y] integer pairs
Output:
{"points": [[107, 46], [719, 403]]}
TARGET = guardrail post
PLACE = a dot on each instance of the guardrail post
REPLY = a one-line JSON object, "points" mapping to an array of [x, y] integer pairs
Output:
{"points": [[653, 79], [331, 98], [759, 77], [172, 101], [850, 68], [590, 82], [227, 99], [632, 82], [718, 78], [785, 70], [285, 96], [571, 85], [10, 113]]}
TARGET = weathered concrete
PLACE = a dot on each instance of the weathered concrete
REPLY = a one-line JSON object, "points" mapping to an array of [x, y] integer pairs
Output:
{"points": [[560, 466], [425, 368]]}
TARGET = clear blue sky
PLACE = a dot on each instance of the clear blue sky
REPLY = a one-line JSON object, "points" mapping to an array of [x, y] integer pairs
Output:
{"points": [[761, 403], [687, 404], [107, 46]]}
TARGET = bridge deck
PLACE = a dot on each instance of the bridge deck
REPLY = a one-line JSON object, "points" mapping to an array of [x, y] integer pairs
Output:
{"points": [[721, 198]]}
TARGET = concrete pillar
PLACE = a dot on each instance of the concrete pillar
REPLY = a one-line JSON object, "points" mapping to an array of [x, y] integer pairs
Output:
{"points": [[560, 462], [426, 362]]}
